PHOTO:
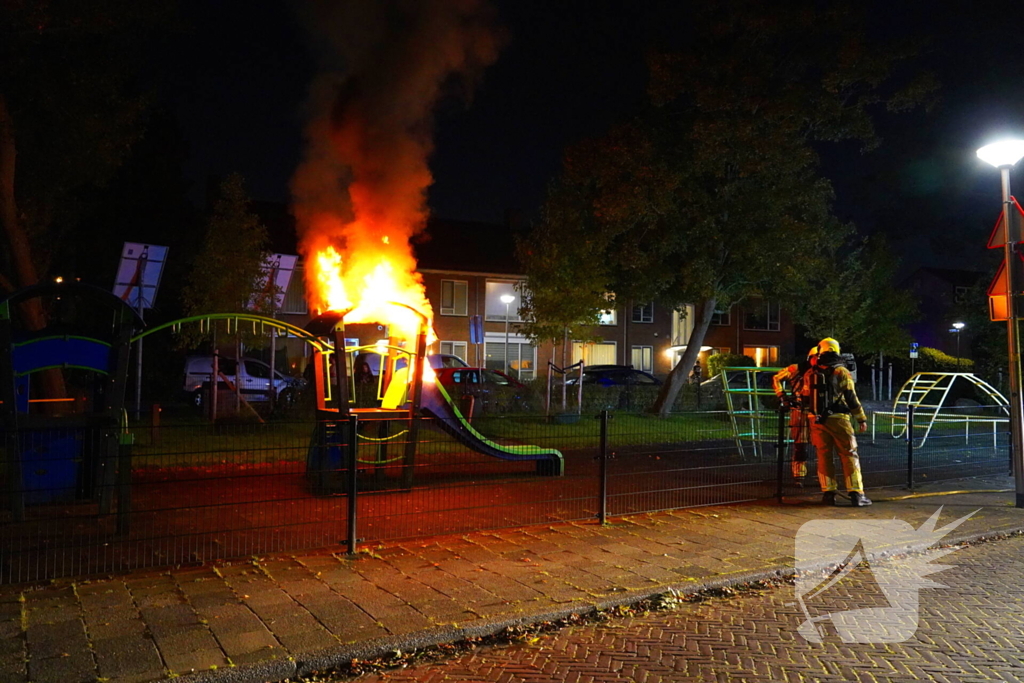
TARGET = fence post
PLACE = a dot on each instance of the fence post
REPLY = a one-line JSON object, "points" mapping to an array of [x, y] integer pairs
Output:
{"points": [[603, 456], [124, 483], [910, 446], [780, 453], [353, 471]]}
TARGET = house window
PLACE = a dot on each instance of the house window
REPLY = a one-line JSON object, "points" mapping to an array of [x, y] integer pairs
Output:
{"points": [[295, 295], [454, 297], [643, 313], [763, 355], [522, 356], [495, 308], [610, 315], [642, 358], [761, 314], [595, 353], [456, 348], [721, 318], [960, 295], [682, 325]]}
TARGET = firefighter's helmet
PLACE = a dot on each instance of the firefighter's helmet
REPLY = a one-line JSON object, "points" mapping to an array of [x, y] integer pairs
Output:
{"points": [[812, 353], [828, 344]]}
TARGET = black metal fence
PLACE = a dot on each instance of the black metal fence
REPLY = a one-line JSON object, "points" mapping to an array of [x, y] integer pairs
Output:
{"points": [[195, 492]]}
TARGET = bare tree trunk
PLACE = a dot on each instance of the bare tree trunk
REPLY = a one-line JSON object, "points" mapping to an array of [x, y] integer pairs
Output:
{"points": [[25, 273], [681, 372]]}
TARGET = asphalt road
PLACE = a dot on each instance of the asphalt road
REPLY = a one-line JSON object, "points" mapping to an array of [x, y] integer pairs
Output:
{"points": [[971, 630]]}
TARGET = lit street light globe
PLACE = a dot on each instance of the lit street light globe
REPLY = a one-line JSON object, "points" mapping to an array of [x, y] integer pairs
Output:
{"points": [[1002, 154]]}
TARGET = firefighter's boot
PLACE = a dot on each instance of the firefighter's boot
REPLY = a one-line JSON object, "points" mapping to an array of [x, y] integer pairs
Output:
{"points": [[859, 500]]}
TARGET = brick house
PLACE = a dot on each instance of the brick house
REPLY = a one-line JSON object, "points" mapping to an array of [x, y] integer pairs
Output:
{"points": [[468, 267]]}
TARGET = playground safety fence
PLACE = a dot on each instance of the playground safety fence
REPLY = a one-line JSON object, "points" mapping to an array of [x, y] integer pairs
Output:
{"points": [[101, 502]]}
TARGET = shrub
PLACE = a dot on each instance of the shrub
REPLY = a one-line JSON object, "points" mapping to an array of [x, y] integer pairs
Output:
{"points": [[933, 360], [728, 360]]}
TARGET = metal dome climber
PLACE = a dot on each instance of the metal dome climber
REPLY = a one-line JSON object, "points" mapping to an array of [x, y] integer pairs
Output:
{"points": [[927, 393]]}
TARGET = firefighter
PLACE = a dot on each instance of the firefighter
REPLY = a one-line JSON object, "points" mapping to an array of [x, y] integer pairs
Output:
{"points": [[833, 402], [798, 403]]}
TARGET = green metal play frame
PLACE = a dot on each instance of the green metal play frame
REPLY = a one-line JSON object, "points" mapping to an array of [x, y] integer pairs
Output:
{"points": [[257, 320], [751, 420]]}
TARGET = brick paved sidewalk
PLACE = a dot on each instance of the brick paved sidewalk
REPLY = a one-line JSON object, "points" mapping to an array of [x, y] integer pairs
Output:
{"points": [[273, 617]]}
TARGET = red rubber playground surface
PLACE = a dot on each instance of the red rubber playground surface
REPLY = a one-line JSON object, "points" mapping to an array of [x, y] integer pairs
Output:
{"points": [[182, 515]]}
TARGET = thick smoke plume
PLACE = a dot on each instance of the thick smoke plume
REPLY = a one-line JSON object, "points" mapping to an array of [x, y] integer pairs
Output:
{"points": [[362, 185]]}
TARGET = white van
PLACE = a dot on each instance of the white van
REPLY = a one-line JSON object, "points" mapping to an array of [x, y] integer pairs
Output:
{"points": [[254, 379]]}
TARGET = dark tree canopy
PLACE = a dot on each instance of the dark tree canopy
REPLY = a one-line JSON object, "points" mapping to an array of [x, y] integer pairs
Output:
{"points": [[70, 111], [713, 194], [227, 274]]}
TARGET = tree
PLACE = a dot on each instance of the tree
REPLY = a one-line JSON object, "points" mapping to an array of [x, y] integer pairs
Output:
{"points": [[560, 300], [69, 113], [713, 194], [227, 274], [852, 296]]}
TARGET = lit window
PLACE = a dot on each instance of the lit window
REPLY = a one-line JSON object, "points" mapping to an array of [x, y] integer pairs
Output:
{"points": [[764, 356], [495, 308], [642, 358], [522, 357], [595, 353], [609, 316], [454, 297]]}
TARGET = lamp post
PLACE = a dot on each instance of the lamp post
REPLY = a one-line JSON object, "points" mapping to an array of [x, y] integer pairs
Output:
{"points": [[958, 327], [1004, 155], [506, 299]]}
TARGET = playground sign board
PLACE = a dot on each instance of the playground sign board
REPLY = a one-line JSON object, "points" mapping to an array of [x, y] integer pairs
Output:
{"points": [[138, 274], [277, 272]]}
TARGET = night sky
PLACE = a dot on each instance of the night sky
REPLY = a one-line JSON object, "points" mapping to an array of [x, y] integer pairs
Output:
{"points": [[238, 76]]}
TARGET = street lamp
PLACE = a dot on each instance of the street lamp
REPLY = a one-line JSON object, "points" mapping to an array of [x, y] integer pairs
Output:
{"points": [[506, 299], [1004, 155], [957, 327]]}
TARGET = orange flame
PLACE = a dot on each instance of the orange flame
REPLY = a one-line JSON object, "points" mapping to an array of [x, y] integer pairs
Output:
{"points": [[368, 285]]}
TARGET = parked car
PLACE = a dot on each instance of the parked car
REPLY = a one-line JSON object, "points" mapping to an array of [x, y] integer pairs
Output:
{"points": [[616, 375], [253, 380], [492, 390]]}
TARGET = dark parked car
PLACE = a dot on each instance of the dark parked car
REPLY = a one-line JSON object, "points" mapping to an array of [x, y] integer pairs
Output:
{"points": [[492, 390], [616, 375]]}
